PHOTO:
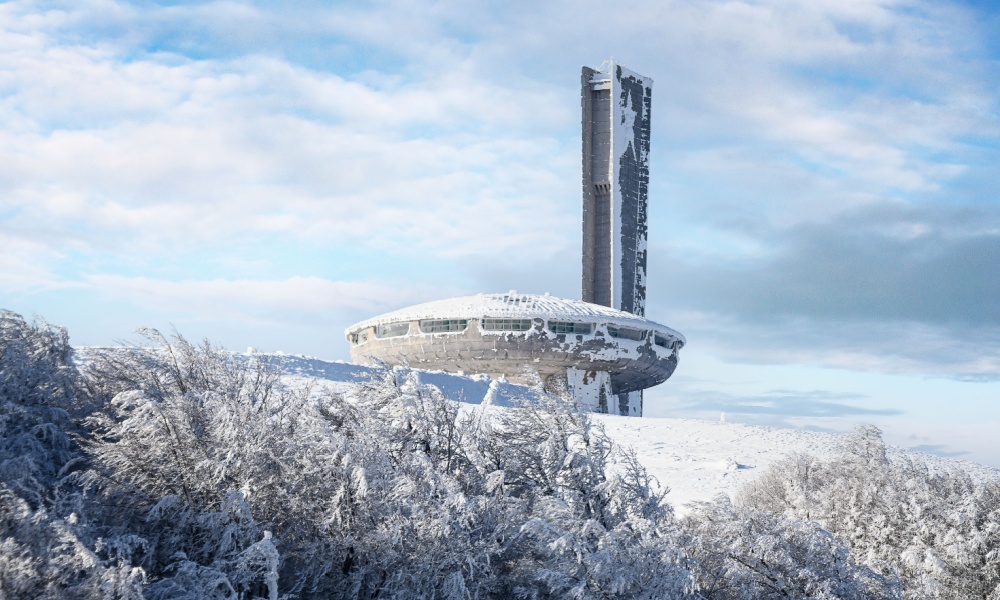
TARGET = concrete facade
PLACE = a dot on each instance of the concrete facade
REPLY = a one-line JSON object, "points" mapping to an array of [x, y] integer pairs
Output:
{"points": [[615, 167], [614, 353], [601, 351], [616, 130]]}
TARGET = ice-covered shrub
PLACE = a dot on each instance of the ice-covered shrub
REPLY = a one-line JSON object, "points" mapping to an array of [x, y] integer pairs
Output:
{"points": [[45, 550], [206, 450], [937, 529], [740, 552], [181, 470], [38, 389]]}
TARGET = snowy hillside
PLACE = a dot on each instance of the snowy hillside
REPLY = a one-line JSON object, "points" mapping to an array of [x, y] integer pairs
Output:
{"points": [[699, 459], [695, 459]]}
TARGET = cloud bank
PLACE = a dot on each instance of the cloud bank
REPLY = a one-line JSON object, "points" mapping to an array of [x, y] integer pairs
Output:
{"points": [[823, 186]]}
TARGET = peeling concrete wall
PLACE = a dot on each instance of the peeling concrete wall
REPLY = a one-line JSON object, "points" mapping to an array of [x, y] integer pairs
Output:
{"points": [[615, 140], [525, 357], [590, 389], [631, 100], [630, 403]]}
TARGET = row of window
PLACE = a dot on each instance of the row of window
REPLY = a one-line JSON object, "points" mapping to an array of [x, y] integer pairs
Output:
{"points": [[443, 325], [569, 327], [505, 324], [497, 324]]}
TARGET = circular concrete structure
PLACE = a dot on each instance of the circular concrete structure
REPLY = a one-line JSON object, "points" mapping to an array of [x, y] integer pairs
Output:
{"points": [[594, 352]]}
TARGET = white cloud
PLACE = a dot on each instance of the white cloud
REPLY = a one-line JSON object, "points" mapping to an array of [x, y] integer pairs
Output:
{"points": [[891, 347], [437, 130], [258, 301], [26, 267], [243, 142], [154, 155]]}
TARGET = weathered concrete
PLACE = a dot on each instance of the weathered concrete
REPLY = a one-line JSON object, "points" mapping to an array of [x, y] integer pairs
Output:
{"points": [[598, 369], [520, 356], [606, 364], [615, 139]]}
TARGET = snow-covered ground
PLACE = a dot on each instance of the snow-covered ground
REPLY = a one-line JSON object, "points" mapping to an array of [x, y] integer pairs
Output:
{"points": [[699, 459]]}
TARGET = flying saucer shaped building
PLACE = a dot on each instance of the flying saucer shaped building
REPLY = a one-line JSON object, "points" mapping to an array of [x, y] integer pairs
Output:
{"points": [[601, 350], [596, 353]]}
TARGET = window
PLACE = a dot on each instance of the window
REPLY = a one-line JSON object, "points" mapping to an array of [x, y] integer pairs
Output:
{"points": [[392, 330], [498, 324], [626, 333], [360, 337], [443, 325], [661, 340], [569, 327]]}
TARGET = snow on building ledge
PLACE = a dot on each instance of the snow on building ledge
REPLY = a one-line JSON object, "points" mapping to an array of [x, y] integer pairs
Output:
{"points": [[595, 354]]}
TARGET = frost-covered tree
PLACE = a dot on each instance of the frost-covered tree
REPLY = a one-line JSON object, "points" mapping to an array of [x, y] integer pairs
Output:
{"points": [[176, 470], [208, 451], [937, 529], [594, 528], [45, 550], [416, 518], [38, 389], [739, 552], [492, 502]]}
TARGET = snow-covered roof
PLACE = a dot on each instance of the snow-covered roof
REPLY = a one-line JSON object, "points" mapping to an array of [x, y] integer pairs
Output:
{"points": [[515, 305]]}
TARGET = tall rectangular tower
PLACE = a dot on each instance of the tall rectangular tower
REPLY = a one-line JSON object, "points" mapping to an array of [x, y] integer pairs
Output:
{"points": [[616, 105], [616, 131]]}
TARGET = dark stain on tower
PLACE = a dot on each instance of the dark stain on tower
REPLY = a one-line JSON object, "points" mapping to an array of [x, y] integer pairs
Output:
{"points": [[616, 130], [616, 133]]}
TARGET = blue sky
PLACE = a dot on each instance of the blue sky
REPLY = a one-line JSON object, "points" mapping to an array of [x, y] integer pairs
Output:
{"points": [[825, 219]]}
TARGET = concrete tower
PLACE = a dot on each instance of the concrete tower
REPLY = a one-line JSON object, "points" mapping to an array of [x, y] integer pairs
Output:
{"points": [[601, 350], [616, 129]]}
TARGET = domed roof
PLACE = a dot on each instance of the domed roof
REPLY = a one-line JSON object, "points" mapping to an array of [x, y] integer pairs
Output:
{"points": [[515, 305]]}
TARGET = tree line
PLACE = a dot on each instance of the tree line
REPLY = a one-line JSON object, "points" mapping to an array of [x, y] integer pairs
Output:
{"points": [[176, 470]]}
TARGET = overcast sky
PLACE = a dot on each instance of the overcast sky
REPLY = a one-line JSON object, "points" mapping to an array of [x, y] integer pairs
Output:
{"points": [[825, 214]]}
